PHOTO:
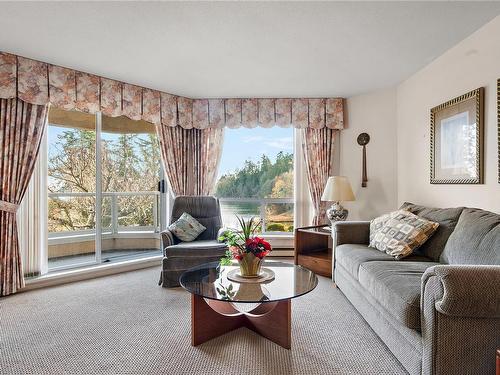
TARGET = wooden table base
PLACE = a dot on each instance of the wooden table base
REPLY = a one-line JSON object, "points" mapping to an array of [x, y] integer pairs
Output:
{"points": [[271, 320]]}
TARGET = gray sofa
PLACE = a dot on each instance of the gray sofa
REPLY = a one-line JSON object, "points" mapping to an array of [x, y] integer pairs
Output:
{"points": [[438, 310], [179, 256]]}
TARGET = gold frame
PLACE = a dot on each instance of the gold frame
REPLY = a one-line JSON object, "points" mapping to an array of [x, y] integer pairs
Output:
{"points": [[478, 94]]}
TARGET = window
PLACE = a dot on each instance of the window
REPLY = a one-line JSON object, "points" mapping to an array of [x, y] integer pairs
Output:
{"points": [[104, 205], [256, 177]]}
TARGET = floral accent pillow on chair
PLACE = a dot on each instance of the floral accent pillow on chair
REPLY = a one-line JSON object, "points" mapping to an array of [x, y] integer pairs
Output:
{"points": [[400, 233], [186, 228]]}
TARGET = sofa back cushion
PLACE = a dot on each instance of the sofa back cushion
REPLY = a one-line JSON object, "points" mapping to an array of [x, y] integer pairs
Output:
{"points": [[205, 209], [475, 240], [447, 219]]}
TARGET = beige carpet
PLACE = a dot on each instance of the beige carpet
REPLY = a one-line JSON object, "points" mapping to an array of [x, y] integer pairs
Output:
{"points": [[126, 324]]}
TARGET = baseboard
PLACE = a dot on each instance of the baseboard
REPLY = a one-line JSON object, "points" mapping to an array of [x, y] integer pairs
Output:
{"points": [[86, 273], [79, 274], [281, 253]]}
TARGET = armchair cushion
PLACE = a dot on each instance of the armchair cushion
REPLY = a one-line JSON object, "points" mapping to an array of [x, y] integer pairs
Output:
{"points": [[196, 249], [396, 286], [186, 228], [205, 209]]}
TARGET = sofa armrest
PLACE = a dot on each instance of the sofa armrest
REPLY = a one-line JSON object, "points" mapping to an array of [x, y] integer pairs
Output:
{"points": [[167, 239], [460, 319], [463, 290], [355, 232]]}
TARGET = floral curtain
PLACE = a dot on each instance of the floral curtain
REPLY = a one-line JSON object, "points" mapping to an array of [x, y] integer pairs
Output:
{"points": [[36, 82], [191, 158], [21, 128], [318, 147]]}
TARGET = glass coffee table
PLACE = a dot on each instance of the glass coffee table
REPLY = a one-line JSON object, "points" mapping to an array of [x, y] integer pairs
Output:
{"points": [[220, 305]]}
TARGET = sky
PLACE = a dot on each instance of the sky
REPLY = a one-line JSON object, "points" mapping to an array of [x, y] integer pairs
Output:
{"points": [[239, 144], [243, 144]]}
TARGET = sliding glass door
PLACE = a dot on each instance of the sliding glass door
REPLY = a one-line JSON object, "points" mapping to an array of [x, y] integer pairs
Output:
{"points": [[130, 198], [103, 198], [71, 183]]}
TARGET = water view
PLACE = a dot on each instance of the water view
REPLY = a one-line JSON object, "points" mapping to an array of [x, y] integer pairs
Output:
{"points": [[276, 217]]}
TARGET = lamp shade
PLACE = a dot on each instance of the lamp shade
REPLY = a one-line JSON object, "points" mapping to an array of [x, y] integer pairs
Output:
{"points": [[337, 189]]}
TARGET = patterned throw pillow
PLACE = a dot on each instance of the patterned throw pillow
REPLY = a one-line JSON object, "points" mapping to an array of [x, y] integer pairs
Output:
{"points": [[400, 233], [377, 224], [186, 228]]}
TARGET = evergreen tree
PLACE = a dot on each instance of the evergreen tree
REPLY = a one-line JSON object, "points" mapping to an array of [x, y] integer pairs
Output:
{"points": [[258, 180]]}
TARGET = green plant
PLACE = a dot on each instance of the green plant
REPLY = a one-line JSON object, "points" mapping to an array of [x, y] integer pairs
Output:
{"points": [[276, 227], [238, 238], [227, 293]]}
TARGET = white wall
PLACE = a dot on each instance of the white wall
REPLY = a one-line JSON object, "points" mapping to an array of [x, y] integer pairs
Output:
{"points": [[473, 63], [374, 114]]}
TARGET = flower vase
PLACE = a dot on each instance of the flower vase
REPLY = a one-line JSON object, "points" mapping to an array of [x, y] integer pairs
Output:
{"points": [[250, 265]]}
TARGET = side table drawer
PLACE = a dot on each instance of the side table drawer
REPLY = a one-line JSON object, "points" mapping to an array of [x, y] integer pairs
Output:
{"points": [[318, 262]]}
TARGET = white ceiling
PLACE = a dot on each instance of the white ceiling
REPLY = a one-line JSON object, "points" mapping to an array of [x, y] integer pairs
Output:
{"points": [[243, 49]]}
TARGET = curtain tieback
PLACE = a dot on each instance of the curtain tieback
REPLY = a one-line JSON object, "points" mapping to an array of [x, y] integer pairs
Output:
{"points": [[8, 207]]}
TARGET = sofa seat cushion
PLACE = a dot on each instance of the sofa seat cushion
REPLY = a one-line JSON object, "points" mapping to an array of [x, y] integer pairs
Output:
{"points": [[475, 240], [196, 249], [351, 256], [396, 287]]}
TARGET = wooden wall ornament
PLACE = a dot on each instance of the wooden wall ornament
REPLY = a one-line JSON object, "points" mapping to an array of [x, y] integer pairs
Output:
{"points": [[363, 140]]}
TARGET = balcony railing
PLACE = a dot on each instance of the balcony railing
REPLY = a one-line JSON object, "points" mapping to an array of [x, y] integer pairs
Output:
{"points": [[275, 214], [113, 220]]}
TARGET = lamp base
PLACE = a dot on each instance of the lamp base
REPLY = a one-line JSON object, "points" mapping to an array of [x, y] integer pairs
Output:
{"points": [[336, 213]]}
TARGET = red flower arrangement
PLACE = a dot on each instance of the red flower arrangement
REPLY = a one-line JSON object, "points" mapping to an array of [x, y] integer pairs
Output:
{"points": [[255, 245], [243, 242]]}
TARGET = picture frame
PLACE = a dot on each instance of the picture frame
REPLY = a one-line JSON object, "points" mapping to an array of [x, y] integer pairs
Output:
{"points": [[456, 140], [498, 127]]}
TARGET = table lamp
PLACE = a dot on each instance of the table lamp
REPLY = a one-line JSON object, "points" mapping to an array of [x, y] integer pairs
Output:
{"points": [[337, 189]]}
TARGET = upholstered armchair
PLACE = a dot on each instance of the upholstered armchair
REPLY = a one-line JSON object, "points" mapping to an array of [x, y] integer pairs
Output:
{"points": [[179, 256]]}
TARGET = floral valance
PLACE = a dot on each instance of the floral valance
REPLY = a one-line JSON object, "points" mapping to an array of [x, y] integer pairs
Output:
{"points": [[41, 83]]}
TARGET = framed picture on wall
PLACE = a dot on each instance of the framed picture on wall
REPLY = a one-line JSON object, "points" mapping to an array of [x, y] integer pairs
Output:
{"points": [[457, 140]]}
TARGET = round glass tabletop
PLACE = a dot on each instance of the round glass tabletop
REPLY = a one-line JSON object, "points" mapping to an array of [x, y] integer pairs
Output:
{"points": [[210, 281]]}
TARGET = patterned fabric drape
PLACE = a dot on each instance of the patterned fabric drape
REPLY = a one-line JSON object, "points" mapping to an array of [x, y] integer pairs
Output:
{"points": [[21, 129], [36, 82], [191, 158], [318, 147]]}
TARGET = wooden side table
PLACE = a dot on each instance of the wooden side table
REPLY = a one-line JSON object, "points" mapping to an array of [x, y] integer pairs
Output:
{"points": [[498, 362], [313, 249]]}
